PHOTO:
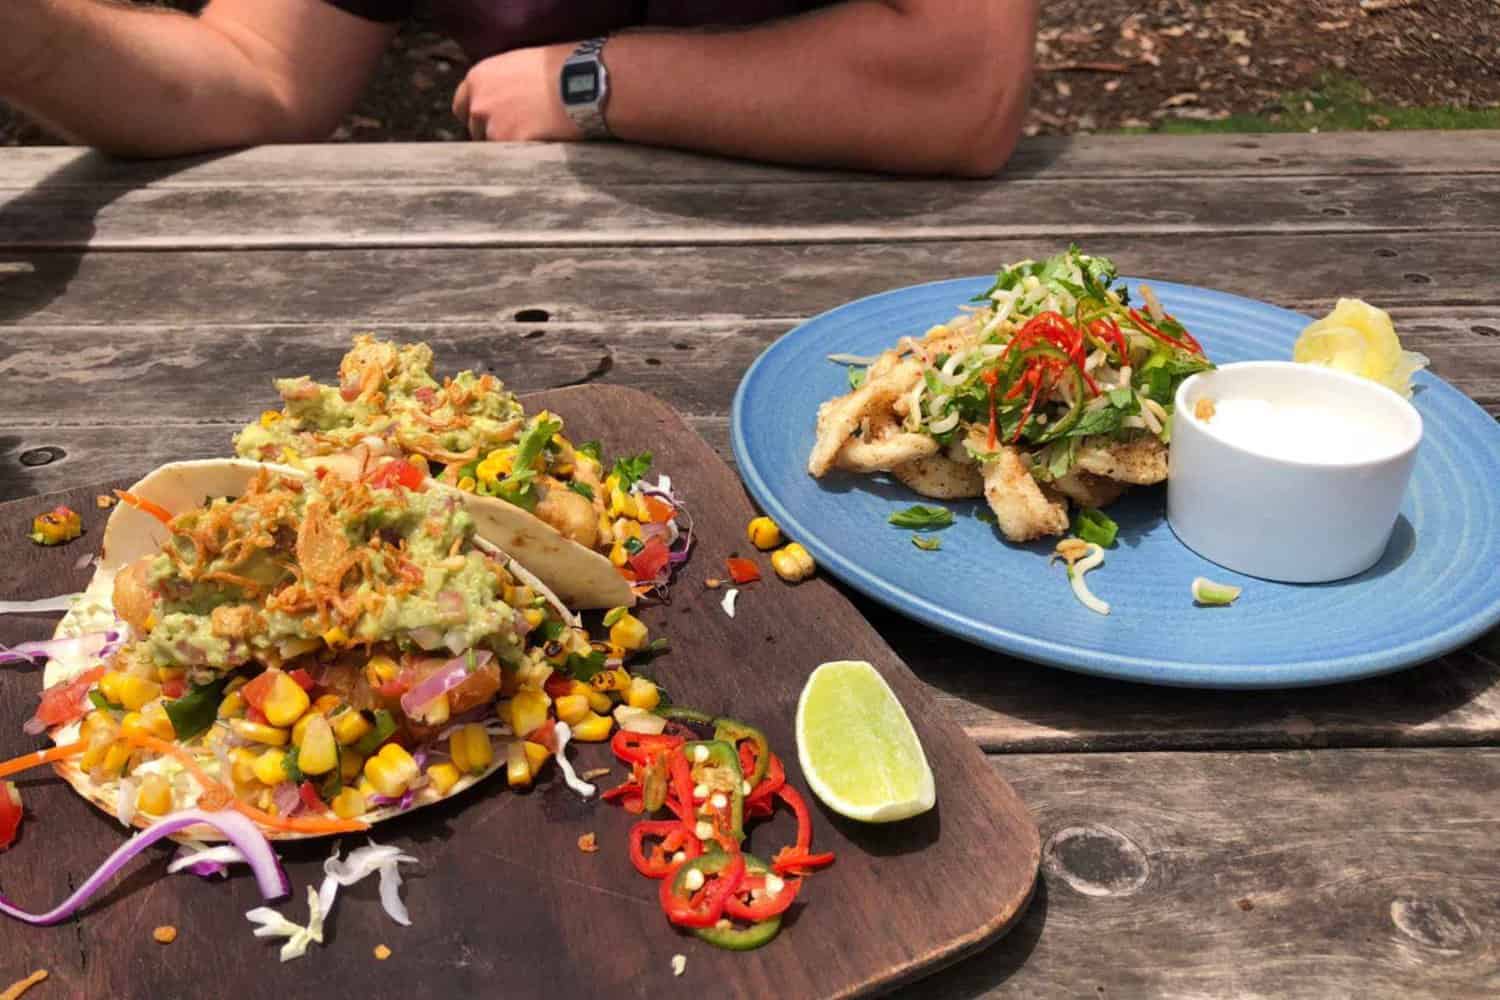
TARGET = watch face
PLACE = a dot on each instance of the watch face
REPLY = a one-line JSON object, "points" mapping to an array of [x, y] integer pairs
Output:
{"points": [[580, 84]]}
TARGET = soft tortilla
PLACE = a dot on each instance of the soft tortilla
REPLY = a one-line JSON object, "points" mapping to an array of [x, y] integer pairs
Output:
{"points": [[130, 534]]}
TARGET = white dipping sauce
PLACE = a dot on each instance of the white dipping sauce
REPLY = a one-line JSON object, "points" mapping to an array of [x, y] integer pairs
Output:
{"points": [[1300, 432]]}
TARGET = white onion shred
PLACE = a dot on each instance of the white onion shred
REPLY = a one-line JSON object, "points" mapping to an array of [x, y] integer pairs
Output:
{"points": [[223, 854], [273, 924], [564, 734], [728, 602], [62, 602], [1080, 588], [125, 800]]}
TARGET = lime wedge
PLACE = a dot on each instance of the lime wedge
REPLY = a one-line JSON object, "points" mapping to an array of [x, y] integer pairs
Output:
{"points": [[857, 747]]}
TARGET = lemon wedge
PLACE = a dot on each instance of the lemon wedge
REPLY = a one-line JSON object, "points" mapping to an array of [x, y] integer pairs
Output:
{"points": [[1361, 339], [857, 747]]}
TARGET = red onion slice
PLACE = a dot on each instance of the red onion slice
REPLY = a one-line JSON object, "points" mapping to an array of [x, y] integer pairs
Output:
{"points": [[240, 831], [447, 677]]}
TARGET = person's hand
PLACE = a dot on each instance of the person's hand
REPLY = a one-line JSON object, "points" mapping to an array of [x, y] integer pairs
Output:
{"points": [[514, 97]]}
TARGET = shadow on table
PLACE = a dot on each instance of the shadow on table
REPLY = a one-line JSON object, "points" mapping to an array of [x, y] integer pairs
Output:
{"points": [[986, 970], [44, 230], [1016, 706]]}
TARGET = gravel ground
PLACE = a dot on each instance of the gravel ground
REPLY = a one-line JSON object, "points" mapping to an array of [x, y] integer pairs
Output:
{"points": [[1104, 64]]}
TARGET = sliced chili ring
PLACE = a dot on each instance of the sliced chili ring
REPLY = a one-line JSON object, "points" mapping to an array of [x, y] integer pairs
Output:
{"points": [[721, 871], [674, 837], [741, 733], [752, 903], [637, 748], [791, 861], [764, 792]]}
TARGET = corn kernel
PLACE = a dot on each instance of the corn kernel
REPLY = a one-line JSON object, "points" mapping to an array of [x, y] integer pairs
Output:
{"points": [[366, 789], [269, 417], [257, 732], [319, 754], [286, 701], [642, 694], [59, 525], [98, 722], [443, 777], [155, 796], [135, 691], [536, 756], [470, 749], [534, 617], [629, 633], [610, 680], [324, 704], [348, 803], [599, 701], [270, 767], [158, 723], [131, 722], [391, 770], [336, 637], [517, 768], [466, 484], [242, 765], [418, 462], [299, 730], [526, 711], [350, 727], [593, 729], [763, 533], [233, 706], [116, 758], [617, 555], [572, 708], [380, 670], [793, 563]]}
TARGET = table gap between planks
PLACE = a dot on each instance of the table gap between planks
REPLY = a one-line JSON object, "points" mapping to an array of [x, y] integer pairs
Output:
{"points": [[1301, 843]]}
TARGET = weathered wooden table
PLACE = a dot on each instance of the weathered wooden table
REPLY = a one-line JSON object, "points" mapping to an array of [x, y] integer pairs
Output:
{"points": [[1314, 843]]}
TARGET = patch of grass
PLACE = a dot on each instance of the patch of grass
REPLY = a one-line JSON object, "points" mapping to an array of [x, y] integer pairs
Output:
{"points": [[1337, 104]]}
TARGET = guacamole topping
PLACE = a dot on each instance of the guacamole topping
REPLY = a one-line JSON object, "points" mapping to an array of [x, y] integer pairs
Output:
{"points": [[324, 562]]}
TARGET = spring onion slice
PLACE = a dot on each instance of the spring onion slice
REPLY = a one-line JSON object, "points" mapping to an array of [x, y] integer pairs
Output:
{"points": [[1205, 591], [240, 830], [1080, 588], [852, 359]]}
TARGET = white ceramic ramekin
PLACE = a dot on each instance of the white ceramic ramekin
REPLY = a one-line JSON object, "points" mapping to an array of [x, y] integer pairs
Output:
{"points": [[1264, 514]]}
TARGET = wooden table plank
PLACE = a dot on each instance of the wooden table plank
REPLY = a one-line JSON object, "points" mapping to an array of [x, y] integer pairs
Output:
{"points": [[1289, 875], [1062, 157], [689, 284], [598, 212]]}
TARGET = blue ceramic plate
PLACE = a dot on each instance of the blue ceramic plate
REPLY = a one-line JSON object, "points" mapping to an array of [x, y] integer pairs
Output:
{"points": [[1433, 591]]}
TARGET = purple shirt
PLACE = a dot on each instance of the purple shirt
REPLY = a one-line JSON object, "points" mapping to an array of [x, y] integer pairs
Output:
{"points": [[487, 27]]}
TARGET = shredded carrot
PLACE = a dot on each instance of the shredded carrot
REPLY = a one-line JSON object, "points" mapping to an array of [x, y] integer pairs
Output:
{"points": [[14, 990], [139, 503], [27, 761], [296, 824]]}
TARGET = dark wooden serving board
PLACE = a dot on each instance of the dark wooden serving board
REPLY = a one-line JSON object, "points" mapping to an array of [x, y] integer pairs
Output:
{"points": [[503, 902]]}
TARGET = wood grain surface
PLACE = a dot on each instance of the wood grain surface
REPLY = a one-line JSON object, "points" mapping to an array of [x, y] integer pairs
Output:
{"points": [[503, 894], [1200, 844]]}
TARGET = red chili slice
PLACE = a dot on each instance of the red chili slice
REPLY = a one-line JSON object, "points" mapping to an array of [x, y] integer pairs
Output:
{"points": [[704, 907], [990, 378], [674, 838], [637, 748], [752, 903], [790, 861], [743, 571]]}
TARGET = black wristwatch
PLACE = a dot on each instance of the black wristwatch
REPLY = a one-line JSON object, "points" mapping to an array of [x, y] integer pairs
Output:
{"points": [[585, 88]]}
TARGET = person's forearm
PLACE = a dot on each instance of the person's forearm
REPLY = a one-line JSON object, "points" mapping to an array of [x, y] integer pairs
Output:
{"points": [[861, 84], [138, 81]]}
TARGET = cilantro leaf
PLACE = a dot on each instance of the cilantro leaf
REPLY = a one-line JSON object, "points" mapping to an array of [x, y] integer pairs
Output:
{"points": [[921, 517], [632, 469], [582, 489], [857, 376], [583, 668]]}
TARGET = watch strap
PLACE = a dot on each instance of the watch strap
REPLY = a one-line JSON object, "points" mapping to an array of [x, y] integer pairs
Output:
{"points": [[589, 116]]}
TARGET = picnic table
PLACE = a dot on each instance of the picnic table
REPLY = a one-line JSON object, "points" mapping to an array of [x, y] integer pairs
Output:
{"points": [[1305, 843]]}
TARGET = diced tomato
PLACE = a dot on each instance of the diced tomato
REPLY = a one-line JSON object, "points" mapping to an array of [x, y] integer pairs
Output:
{"points": [[303, 678], [10, 813], [557, 684], [545, 734], [63, 703], [256, 692], [310, 796], [651, 560], [396, 472], [173, 687], [743, 571], [661, 512], [256, 715], [393, 688]]}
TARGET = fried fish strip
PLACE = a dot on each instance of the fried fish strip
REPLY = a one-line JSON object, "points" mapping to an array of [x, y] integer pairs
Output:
{"points": [[1024, 509], [840, 417], [1140, 462], [1088, 490], [949, 476]]}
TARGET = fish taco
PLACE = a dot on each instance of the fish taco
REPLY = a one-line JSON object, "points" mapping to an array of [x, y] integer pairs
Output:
{"points": [[598, 535], [315, 652]]}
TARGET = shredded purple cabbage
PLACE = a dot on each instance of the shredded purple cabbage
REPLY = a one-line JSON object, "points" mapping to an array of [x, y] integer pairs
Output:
{"points": [[94, 645]]}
